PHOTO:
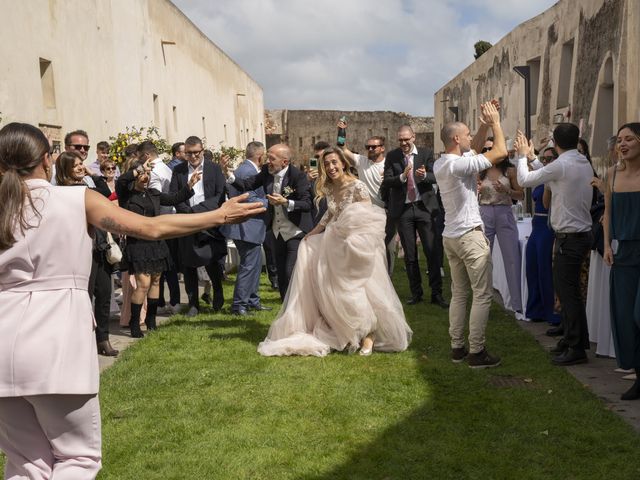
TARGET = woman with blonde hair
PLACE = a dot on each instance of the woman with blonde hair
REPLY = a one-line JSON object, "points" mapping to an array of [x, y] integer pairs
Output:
{"points": [[49, 409], [340, 296]]}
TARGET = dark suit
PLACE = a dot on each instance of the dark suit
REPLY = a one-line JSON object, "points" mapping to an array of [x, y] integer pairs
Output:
{"points": [[300, 216], [421, 216], [204, 248], [248, 237]]}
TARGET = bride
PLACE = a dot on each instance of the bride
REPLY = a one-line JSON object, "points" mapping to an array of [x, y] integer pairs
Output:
{"points": [[340, 295]]}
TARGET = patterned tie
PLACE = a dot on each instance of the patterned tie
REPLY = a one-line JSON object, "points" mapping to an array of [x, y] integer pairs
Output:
{"points": [[411, 183]]}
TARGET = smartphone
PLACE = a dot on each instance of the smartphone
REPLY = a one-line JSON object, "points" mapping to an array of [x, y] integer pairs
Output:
{"points": [[313, 162]]}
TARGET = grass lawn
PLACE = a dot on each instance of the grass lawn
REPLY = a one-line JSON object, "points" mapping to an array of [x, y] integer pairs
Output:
{"points": [[195, 401]]}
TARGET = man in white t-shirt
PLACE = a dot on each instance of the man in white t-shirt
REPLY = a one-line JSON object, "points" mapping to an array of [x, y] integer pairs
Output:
{"points": [[465, 244], [371, 172]]}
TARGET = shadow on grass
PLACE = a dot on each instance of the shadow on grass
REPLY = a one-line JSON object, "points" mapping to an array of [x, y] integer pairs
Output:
{"points": [[246, 329]]}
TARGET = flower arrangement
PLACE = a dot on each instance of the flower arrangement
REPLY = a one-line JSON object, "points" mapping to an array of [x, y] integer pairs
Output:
{"points": [[136, 135], [236, 155]]}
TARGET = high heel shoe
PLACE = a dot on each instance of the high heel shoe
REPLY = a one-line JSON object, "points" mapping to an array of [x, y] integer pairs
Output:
{"points": [[367, 346], [105, 348]]}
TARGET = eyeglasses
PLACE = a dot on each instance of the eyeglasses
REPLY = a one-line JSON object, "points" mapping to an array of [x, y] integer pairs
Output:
{"points": [[405, 140], [548, 157], [372, 147], [77, 146], [109, 169], [193, 154]]}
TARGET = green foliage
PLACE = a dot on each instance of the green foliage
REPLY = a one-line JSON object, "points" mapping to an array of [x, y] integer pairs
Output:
{"points": [[481, 47], [131, 135], [236, 155]]}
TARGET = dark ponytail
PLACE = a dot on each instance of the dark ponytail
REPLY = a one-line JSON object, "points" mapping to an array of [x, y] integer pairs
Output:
{"points": [[22, 149]]}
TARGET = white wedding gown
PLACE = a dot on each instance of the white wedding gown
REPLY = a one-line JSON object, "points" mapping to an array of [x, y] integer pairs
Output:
{"points": [[340, 290]]}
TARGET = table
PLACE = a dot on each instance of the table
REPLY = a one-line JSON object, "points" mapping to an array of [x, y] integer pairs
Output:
{"points": [[499, 277]]}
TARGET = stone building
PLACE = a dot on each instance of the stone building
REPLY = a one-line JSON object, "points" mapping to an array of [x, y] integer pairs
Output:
{"points": [[301, 129], [103, 65], [584, 66]]}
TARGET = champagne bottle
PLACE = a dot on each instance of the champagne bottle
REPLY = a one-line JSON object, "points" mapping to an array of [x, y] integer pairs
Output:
{"points": [[342, 133]]}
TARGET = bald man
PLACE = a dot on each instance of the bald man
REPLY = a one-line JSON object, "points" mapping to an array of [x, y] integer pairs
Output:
{"points": [[465, 244], [289, 212]]}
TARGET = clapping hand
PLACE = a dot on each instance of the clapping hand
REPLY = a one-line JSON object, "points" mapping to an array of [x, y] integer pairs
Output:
{"points": [[225, 164], [195, 178], [521, 144], [490, 113], [421, 172], [407, 170]]}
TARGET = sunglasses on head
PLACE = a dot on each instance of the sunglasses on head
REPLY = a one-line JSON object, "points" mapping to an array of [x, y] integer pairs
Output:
{"points": [[77, 146]]}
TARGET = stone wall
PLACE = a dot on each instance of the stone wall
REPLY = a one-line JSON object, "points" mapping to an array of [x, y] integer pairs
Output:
{"points": [[302, 128], [585, 69], [103, 65]]}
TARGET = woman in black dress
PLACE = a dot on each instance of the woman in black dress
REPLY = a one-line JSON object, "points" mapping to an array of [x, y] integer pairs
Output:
{"points": [[146, 259]]}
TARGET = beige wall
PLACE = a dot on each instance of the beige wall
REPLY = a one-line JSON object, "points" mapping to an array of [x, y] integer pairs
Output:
{"points": [[602, 31], [107, 62]]}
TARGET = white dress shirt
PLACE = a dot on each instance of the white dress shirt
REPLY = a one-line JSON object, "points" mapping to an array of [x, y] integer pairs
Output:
{"points": [[198, 188], [457, 178], [569, 179], [160, 179], [403, 177]]}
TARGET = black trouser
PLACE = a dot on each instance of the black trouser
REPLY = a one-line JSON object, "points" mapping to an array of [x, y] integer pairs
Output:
{"points": [[389, 233], [214, 270], [415, 218], [270, 257], [286, 256], [171, 276], [569, 251], [100, 293]]}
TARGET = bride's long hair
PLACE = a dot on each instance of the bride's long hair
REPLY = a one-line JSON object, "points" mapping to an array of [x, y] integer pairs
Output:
{"points": [[323, 182]]}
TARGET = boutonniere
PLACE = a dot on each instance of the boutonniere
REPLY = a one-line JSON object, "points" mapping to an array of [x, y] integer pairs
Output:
{"points": [[286, 191]]}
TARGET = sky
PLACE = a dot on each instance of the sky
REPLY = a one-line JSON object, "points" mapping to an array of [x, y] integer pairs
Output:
{"points": [[355, 54]]}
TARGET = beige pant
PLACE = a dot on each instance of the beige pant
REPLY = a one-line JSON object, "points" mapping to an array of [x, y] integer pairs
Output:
{"points": [[51, 436], [471, 269]]}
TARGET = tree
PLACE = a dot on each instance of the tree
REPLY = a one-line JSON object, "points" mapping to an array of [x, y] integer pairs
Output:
{"points": [[481, 47]]}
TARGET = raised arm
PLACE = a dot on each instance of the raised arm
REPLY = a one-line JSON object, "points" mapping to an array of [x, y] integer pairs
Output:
{"points": [[105, 215], [526, 178]]}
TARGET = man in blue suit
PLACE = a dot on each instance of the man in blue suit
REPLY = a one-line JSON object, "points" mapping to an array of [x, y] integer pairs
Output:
{"points": [[248, 237]]}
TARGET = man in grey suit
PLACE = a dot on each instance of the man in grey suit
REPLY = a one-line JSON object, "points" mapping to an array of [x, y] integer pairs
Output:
{"points": [[248, 237]]}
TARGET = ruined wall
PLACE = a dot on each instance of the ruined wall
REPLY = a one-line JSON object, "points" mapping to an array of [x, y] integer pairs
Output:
{"points": [[592, 31], [302, 128]]}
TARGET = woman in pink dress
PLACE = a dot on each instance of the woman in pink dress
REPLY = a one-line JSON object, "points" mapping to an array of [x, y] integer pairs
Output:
{"points": [[49, 410]]}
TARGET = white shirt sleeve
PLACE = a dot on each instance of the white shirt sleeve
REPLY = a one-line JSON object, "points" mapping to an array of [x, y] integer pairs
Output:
{"points": [[469, 165], [552, 171]]}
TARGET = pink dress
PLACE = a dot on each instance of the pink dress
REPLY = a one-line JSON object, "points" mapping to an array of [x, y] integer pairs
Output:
{"points": [[47, 343]]}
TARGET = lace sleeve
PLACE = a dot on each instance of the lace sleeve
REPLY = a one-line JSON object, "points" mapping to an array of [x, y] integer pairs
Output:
{"points": [[326, 218], [360, 193]]}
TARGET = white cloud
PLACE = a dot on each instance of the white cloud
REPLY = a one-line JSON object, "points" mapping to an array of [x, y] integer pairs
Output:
{"points": [[355, 54]]}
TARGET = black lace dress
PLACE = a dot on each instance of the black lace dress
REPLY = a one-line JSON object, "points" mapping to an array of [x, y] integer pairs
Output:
{"points": [[146, 256]]}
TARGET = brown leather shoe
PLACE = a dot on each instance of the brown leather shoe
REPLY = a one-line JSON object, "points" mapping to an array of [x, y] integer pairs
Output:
{"points": [[105, 348]]}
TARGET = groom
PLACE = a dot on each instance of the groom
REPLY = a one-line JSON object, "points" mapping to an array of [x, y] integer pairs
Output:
{"points": [[289, 212]]}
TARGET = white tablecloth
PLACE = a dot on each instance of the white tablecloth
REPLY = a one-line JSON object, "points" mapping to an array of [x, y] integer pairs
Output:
{"points": [[598, 313], [500, 282]]}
